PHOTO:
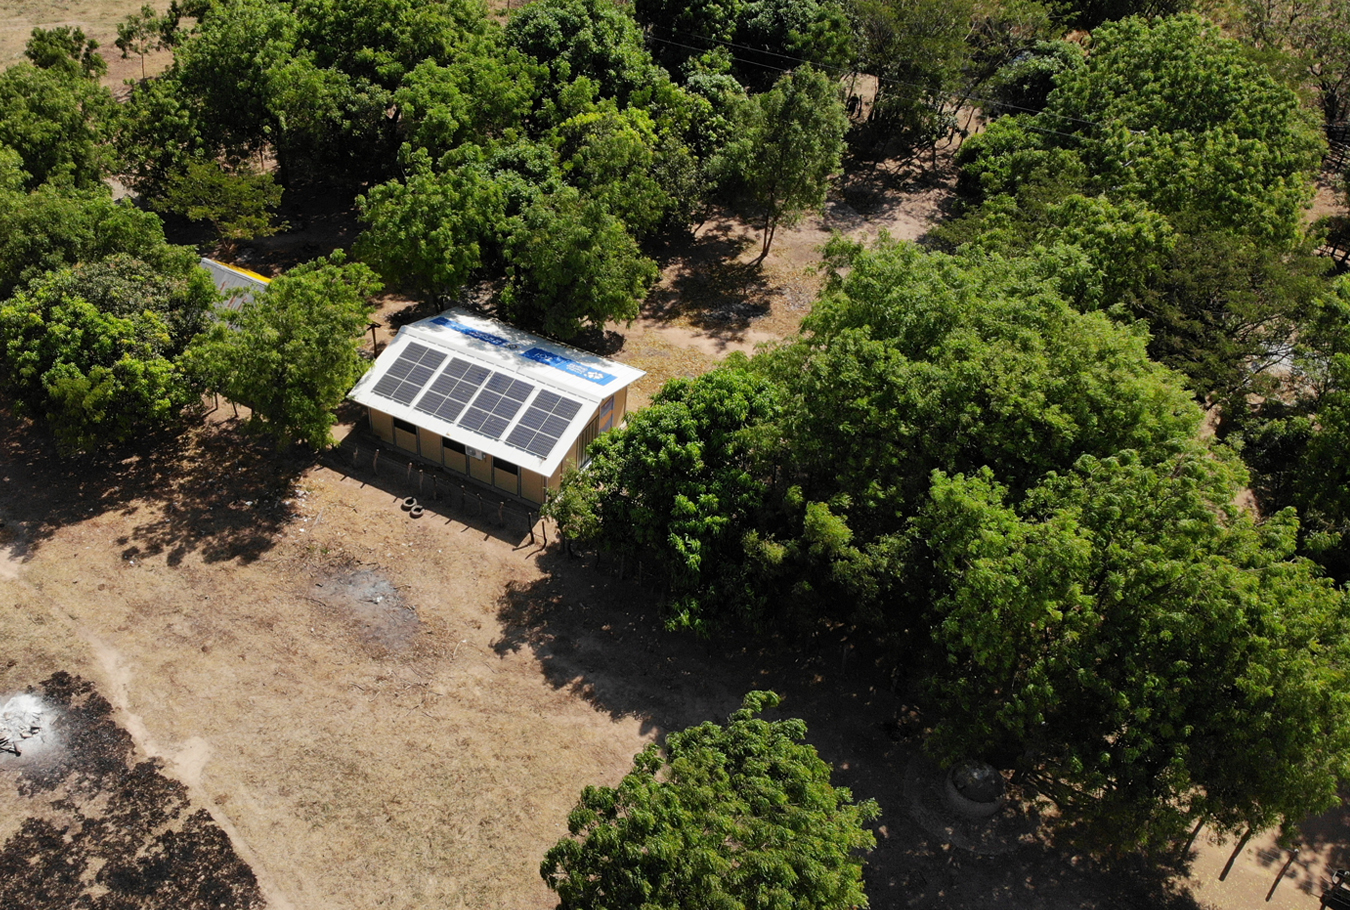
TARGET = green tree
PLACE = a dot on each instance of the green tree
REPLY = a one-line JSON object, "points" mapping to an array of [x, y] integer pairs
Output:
{"points": [[429, 232], [678, 487], [615, 157], [1138, 647], [570, 264], [593, 39], [1317, 32], [239, 203], [141, 33], [480, 95], [737, 816], [789, 145], [67, 50], [292, 353], [95, 350], [56, 226], [56, 119]]}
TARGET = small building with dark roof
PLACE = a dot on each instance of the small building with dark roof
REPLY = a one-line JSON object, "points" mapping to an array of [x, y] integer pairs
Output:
{"points": [[487, 400]]}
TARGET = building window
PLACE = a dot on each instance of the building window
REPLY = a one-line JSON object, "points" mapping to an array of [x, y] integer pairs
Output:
{"points": [[587, 437], [404, 426], [453, 446], [607, 414], [506, 466]]}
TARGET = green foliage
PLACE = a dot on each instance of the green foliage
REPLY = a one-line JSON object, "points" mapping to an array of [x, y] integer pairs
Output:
{"points": [[1133, 641], [1188, 124], [66, 50], [915, 362], [143, 32], [741, 815], [1165, 180], [95, 350], [680, 484], [592, 39], [1317, 33], [788, 146], [239, 204], [56, 119], [615, 158], [157, 136], [570, 264], [919, 51], [427, 233], [292, 353], [54, 227], [480, 95], [381, 41], [1024, 85]]}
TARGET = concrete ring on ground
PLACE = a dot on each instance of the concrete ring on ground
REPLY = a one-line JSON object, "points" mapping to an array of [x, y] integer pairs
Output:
{"points": [[409, 503], [415, 512]]}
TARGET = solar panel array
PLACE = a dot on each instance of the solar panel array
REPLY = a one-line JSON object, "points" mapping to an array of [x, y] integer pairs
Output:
{"points": [[453, 390], [496, 406], [543, 424], [408, 375], [477, 398]]}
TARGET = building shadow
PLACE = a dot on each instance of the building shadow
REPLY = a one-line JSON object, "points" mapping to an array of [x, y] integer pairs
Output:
{"points": [[442, 497]]}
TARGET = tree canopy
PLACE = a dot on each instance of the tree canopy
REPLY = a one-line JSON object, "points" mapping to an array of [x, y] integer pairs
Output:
{"points": [[291, 353], [739, 815]]}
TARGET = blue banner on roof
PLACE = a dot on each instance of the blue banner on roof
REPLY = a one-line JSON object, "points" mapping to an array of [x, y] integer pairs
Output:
{"points": [[568, 365], [490, 338]]}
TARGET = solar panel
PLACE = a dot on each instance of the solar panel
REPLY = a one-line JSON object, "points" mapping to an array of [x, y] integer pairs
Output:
{"points": [[496, 406], [408, 374], [453, 390], [543, 424]]}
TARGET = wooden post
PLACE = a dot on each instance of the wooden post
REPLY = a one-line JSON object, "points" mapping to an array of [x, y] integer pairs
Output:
{"points": [[1236, 850], [479, 497], [407, 478], [375, 463], [500, 519], [356, 453], [421, 479]]}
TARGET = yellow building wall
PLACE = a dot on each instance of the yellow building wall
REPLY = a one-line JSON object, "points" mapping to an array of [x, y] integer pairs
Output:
{"points": [[455, 461], [620, 405], [505, 480], [428, 444], [532, 486], [382, 425], [405, 440], [481, 469]]}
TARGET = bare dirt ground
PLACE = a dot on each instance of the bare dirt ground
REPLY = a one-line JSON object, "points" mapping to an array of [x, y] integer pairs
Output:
{"points": [[382, 712]]}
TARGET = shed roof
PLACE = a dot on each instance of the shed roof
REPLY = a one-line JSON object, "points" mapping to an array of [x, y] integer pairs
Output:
{"points": [[238, 285], [491, 386]]}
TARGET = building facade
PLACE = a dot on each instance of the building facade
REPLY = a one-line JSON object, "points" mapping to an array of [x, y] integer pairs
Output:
{"points": [[488, 401]]}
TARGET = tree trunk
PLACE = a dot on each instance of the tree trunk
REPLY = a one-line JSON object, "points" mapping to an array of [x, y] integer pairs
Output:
{"points": [[770, 227]]}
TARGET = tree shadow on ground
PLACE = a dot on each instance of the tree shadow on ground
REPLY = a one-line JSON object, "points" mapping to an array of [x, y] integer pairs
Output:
{"points": [[213, 489], [708, 286], [601, 638], [1323, 849]]}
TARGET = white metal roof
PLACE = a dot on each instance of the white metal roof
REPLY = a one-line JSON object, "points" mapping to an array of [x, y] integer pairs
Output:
{"points": [[238, 285], [547, 365]]}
